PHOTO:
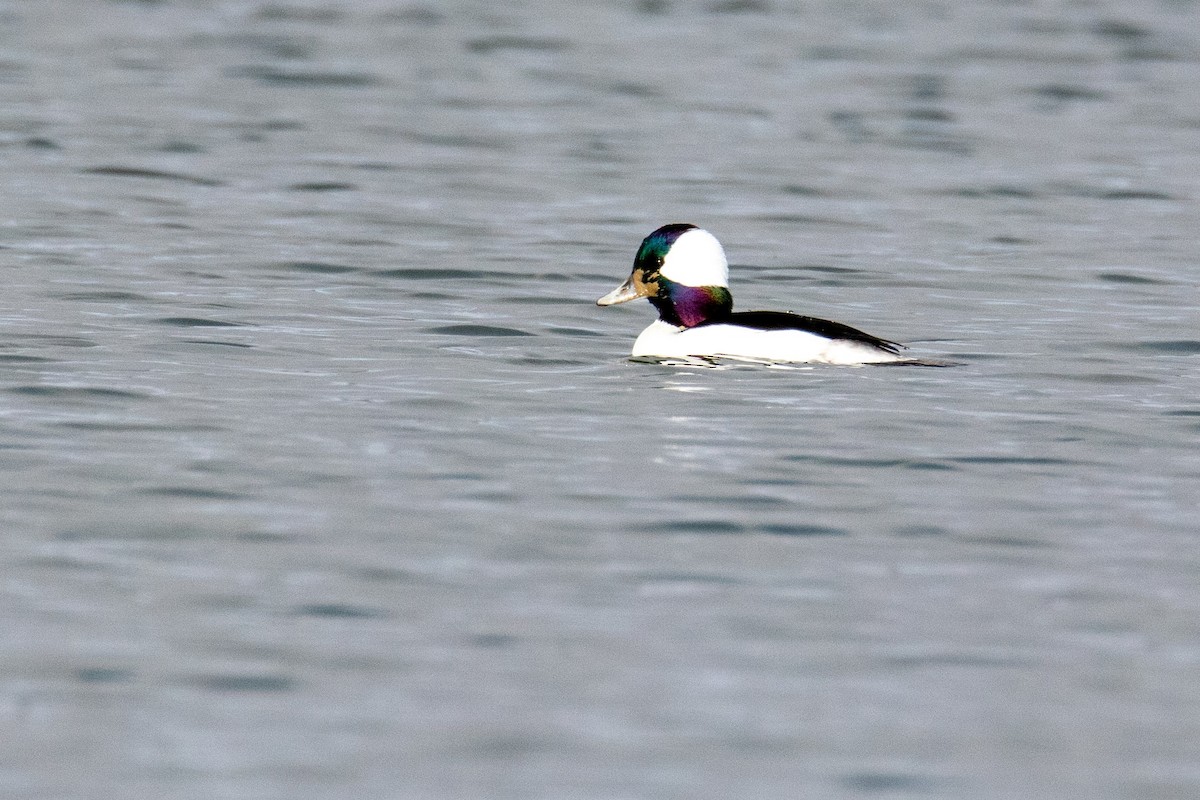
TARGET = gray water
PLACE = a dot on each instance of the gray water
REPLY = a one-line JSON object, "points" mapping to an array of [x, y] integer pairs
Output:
{"points": [[321, 476]]}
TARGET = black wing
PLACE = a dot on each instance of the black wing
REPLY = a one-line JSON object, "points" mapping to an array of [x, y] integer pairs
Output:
{"points": [[781, 320]]}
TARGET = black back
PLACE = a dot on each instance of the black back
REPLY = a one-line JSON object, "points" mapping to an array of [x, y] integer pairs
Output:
{"points": [[782, 320]]}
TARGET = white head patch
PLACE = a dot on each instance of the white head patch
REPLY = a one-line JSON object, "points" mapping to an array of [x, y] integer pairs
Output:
{"points": [[696, 259]]}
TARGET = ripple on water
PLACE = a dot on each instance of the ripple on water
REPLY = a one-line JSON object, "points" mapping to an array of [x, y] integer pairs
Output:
{"points": [[1037, 461], [105, 296], [702, 526], [197, 322], [315, 267], [572, 331], [246, 683], [194, 493], [156, 174], [338, 611], [104, 675], [720, 526], [871, 463], [214, 343], [891, 783], [321, 186], [1168, 346], [1112, 378], [447, 274], [46, 339], [802, 530], [76, 393], [486, 45], [301, 79], [15, 358], [1128, 278], [477, 330]]}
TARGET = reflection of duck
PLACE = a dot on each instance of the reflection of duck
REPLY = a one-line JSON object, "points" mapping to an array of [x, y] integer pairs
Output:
{"points": [[682, 270]]}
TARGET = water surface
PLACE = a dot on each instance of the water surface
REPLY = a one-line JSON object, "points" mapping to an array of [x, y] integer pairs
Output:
{"points": [[321, 476]]}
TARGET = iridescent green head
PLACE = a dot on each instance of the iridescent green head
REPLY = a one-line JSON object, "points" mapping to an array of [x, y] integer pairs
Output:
{"points": [[682, 270]]}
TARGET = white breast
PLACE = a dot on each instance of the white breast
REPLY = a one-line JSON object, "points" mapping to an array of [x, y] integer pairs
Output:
{"points": [[664, 340]]}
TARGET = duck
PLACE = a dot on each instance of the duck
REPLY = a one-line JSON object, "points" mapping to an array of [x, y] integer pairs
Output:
{"points": [[682, 270]]}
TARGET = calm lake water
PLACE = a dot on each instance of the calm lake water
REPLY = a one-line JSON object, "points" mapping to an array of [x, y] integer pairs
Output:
{"points": [[322, 476]]}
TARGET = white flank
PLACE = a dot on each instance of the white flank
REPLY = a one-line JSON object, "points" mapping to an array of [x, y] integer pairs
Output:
{"points": [[664, 340]]}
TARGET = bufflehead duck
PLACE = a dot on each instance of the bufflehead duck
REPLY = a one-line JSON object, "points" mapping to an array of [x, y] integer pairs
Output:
{"points": [[682, 271]]}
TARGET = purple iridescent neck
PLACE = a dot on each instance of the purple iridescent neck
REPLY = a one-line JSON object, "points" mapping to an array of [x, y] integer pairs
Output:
{"points": [[689, 306]]}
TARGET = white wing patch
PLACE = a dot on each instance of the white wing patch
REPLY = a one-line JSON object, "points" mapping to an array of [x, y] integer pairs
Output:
{"points": [[696, 259]]}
